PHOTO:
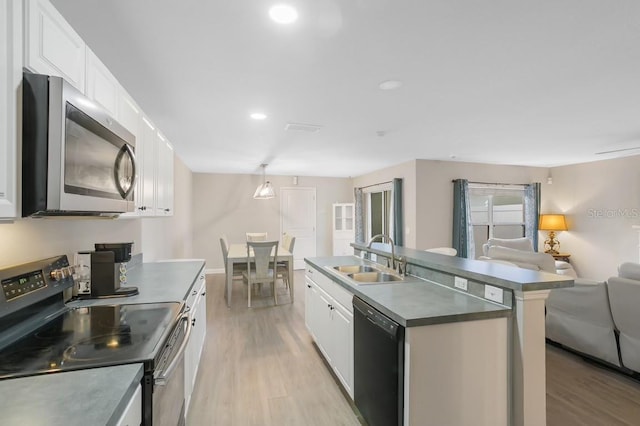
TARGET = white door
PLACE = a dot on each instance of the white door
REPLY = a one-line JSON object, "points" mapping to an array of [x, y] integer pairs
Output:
{"points": [[298, 219]]}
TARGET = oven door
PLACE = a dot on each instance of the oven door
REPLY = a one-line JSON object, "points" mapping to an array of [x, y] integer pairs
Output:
{"points": [[168, 390]]}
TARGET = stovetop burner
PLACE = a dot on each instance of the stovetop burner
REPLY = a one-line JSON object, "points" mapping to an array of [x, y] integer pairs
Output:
{"points": [[91, 337]]}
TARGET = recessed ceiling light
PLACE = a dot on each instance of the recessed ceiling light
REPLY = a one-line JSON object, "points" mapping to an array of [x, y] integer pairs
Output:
{"points": [[390, 85], [258, 116], [283, 14]]}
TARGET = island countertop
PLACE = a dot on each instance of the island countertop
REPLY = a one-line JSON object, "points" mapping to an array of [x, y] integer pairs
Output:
{"points": [[95, 396], [414, 301]]}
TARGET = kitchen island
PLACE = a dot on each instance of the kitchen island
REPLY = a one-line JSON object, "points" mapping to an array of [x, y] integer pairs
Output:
{"points": [[492, 291]]}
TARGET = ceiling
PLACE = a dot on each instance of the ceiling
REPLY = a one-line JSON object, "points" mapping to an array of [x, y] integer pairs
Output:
{"points": [[538, 83]]}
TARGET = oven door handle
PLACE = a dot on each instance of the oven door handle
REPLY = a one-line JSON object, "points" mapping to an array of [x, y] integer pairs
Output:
{"points": [[164, 377]]}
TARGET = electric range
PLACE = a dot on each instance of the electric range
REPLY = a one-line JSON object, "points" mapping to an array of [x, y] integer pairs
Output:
{"points": [[39, 334]]}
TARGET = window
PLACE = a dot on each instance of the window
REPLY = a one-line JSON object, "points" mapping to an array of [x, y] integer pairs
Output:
{"points": [[497, 211], [379, 211]]}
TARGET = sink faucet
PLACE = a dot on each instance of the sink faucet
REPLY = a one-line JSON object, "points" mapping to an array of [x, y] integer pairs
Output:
{"points": [[390, 241]]}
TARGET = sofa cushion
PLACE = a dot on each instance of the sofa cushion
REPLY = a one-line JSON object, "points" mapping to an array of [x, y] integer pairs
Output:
{"points": [[543, 261], [629, 270], [523, 243]]}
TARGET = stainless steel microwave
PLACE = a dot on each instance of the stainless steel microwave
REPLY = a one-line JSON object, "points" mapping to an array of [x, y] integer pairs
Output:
{"points": [[76, 159]]}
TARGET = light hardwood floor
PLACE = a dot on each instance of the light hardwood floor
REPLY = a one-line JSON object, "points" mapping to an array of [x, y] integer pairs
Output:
{"points": [[260, 367]]}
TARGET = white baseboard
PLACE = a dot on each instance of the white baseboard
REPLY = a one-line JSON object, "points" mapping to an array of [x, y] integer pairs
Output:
{"points": [[214, 271]]}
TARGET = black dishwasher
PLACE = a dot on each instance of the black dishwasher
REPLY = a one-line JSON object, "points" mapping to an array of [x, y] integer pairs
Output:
{"points": [[378, 350]]}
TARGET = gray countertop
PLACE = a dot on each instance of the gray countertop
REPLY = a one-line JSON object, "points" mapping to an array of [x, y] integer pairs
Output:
{"points": [[97, 396], [414, 302], [157, 282], [518, 279]]}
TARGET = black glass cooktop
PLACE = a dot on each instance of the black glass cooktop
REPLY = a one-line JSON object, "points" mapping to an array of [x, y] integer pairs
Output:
{"points": [[92, 337]]}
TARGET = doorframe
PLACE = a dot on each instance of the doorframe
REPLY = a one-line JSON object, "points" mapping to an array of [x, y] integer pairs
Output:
{"points": [[315, 216]]}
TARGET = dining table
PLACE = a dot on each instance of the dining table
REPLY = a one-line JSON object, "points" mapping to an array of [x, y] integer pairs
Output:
{"points": [[238, 254]]}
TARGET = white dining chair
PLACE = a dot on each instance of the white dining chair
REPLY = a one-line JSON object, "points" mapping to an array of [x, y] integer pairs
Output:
{"points": [[261, 266], [256, 236], [238, 268], [288, 242]]}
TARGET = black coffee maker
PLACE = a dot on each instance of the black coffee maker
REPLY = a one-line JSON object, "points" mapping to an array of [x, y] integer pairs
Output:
{"points": [[109, 270]]}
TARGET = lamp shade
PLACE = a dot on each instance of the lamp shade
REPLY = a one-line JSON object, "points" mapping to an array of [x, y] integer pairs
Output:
{"points": [[264, 191], [552, 222]]}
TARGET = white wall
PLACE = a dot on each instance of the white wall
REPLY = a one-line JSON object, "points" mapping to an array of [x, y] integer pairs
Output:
{"points": [[223, 204], [407, 172], [601, 201], [435, 193]]}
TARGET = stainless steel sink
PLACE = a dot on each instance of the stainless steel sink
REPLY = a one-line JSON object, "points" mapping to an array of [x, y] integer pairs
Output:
{"points": [[354, 269], [374, 277]]}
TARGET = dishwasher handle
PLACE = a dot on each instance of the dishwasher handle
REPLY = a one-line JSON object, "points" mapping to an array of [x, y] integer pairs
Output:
{"points": [[377, 319]]}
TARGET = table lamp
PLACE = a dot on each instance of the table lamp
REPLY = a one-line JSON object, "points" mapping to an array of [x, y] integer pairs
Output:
{"points": [[552, 223]]}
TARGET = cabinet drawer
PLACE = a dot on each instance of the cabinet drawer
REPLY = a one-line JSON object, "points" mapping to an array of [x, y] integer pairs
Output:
{"points": [[335, 290]]}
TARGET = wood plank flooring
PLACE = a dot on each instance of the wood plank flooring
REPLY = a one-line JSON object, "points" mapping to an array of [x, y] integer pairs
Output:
{"points": [[260, 367]]}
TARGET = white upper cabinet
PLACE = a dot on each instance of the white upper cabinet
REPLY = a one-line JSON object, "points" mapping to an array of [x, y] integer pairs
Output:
{"points": [[164, 205], [10, 78], [147, 161], [343, 228], [101, 86], [130, 117], [52, 47]]}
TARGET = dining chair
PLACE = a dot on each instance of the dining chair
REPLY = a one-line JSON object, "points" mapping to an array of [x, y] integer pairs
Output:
{"points": [[256, 236], [238, 269], [288, 242], [261, 266]]}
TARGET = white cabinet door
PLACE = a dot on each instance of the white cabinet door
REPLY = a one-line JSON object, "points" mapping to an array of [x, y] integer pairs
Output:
{"points": [[342, 348], [198, 303], [148, 140], [129, 115], [164, 187], [52, 47], [10, 81], [331, 324], [101, 86], [343, 228]]}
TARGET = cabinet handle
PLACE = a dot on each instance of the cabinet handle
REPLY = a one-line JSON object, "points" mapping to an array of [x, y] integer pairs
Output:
{"points": [[202, 277], [308, 286], [203, 293], [143, 208], [194, 292], [193, 322], [167, 210]]}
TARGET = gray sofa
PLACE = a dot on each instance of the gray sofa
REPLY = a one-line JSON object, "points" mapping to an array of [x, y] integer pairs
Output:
{"points": [[599, 319]]}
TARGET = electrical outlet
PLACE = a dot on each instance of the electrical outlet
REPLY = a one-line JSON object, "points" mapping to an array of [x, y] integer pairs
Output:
{"points": [[493, 293], [460, 283]]}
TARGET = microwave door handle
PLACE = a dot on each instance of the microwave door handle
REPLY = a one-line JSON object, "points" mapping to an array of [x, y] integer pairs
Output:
{"points": [[164, 376], [116, 170]]}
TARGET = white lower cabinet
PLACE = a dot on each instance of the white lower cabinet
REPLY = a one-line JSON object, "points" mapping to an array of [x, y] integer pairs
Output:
{"points": [[329, 318], [132, 415], [197, 301]]}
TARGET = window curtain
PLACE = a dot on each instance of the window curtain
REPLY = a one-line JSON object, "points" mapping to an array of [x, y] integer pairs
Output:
{"points": [[532, 212], [359, 215], [397, 212], [462, 230]]}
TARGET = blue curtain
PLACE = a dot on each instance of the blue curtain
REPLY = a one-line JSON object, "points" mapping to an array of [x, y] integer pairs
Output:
{"points": [[532, 212], [359, 215], [398, 232], [462, 239]]}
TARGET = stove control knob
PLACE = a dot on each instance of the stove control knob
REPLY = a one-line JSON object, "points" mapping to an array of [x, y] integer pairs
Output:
{"points": [[56, 274]]}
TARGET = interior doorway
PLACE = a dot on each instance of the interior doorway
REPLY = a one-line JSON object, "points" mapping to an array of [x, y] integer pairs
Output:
{"points": [[298, 219]]}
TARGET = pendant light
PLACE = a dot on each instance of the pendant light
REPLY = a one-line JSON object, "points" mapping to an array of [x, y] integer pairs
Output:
{"points": [[265, 190]]}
